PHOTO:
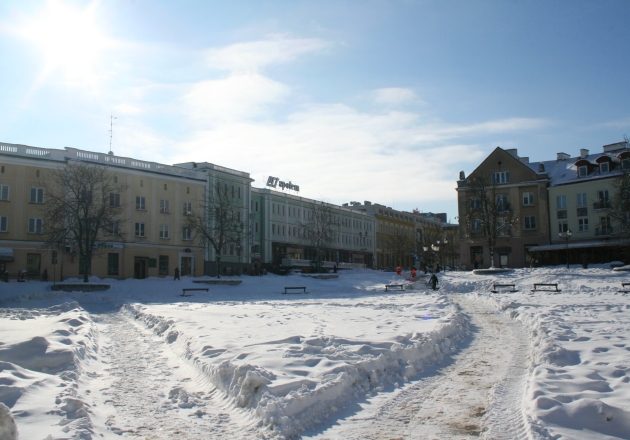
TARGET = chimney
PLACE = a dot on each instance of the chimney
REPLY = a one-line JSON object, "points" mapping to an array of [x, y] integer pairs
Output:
{"points": [[563, 156], [513, 152], [583, 152]]}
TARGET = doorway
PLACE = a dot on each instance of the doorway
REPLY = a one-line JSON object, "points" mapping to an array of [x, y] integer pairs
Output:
{"points": [[140, 267]]}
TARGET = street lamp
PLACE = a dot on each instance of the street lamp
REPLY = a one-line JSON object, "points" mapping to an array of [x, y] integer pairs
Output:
{"points": [[566, 235]]}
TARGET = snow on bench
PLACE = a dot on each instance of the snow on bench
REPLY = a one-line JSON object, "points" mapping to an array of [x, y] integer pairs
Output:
{"points": [[295, 289], [537, 287], [394, 287], [497, 286], [192, 289]]}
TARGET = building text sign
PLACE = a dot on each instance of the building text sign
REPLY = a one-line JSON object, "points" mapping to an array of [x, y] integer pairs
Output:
{"points": [[275, 182]]}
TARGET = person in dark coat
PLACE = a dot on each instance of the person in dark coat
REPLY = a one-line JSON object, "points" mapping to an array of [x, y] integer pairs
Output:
{"points": [[434, 281], [176, 276]]}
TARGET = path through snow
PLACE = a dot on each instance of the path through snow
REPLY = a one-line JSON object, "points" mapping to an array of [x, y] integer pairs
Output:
{"points": [[150, 393], [479, 394]]}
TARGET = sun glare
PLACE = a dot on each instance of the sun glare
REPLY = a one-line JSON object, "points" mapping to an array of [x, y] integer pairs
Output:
{"points": [[69, 40]]}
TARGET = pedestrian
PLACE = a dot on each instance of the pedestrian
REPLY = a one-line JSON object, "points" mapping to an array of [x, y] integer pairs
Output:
{"points": [[413, 273], [176, 277], [434, 281]]}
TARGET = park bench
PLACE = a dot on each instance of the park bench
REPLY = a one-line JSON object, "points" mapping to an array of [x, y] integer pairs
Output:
{"points": [[545, 287], [394, 287], [624, 288], [192, 289], [295, 289], [497, 286]]}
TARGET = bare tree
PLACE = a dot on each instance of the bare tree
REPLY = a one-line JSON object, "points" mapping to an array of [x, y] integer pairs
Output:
{"points": [[319, 230], [82, 203], [620, 208], [401, 246], [488, 215], [219, 223]]}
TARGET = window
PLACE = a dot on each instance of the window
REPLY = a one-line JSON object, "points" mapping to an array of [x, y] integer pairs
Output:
{"points": [[33, 264], [561, 202], [581, 200], [187, 208], [37, 195], [582, 171], [475, 225], [4, 224], [139, 229], [603, 201], [164, 235], [4, 192], [114, 200], [562, 213], [163, 265], [501, 177], [604, 167], [140, 203], [114, 228], [164, 209], [563, 227], [582, 224], [529, 222], [625, 163], [35, 226], [112, 264], [475, 204], [528, 199], [502, 203], [186, 233]]}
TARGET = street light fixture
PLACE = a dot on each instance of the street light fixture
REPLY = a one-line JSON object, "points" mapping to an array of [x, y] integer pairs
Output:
{"points": [[566, 235]]}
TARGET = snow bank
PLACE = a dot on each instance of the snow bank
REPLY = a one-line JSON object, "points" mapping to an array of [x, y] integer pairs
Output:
{"points": [[294, 376], [579, 375], [40, 358]]}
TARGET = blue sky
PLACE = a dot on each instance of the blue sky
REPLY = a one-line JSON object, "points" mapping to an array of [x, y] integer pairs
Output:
{"points": [[352, 100]]}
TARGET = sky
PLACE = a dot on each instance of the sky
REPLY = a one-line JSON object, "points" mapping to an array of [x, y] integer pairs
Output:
{"points": [[373, 100]]}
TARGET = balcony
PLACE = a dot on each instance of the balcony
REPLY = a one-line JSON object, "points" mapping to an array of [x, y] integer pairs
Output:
{"points": [[601, 204], [599, 231]]}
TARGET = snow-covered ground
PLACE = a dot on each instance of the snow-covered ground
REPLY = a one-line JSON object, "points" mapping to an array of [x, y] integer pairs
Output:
{"points": [[345, 360]]}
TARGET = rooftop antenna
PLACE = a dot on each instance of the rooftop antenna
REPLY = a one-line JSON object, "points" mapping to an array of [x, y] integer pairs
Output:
{"points": [[111, 132]]}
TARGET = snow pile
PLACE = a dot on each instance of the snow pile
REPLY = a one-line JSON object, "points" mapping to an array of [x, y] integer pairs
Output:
{"points": [[580, 373], [40, 359], [297, 362]]}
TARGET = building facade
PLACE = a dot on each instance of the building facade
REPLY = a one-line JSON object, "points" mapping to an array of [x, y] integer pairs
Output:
{"points": [[151, 240], [548, 212], [503, 211]]}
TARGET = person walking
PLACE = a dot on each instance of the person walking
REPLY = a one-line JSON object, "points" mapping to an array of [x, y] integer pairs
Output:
{"points": [[433, 281], [176, 276]]}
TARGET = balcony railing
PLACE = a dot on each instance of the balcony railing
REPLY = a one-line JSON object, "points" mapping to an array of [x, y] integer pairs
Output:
{"points": [[602, 204], [603, 231]]}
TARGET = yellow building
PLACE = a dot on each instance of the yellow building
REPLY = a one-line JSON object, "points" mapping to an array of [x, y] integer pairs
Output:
{"points": [[154, 203]]}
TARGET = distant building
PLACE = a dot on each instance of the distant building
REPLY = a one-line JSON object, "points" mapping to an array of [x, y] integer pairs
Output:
{"points": [[547, 212]]}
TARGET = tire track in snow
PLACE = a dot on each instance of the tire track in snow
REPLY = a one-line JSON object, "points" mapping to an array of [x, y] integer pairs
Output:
{"points": [[153, 394], [479, 394]]}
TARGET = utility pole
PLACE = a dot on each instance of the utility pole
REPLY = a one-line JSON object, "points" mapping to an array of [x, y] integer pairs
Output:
{"points": [[111, 132]]}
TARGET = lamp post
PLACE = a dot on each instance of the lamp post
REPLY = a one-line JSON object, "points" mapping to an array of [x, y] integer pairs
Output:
{"points": [[566, 235], [436, 251]]}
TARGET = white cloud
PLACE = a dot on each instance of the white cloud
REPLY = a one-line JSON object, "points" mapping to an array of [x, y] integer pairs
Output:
{"points": [[238, 96], [256, 55], [390, 96]]}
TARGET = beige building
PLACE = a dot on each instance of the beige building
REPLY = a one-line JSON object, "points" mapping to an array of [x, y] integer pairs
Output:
{"points": [[155, 201], [503, 211]]}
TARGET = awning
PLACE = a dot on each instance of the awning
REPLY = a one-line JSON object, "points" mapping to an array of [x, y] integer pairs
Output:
{"points": [[6, 254], [579, 245]]}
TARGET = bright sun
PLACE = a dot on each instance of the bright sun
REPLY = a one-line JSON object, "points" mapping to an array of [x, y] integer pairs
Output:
{"points": [[69, 41]]}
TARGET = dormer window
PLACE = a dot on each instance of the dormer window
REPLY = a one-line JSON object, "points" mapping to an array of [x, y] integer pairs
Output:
{"points": [[604, 167], [582, 171], [501, 177]]}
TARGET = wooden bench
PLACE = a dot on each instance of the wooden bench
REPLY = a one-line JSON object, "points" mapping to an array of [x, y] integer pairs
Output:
{"points": [[192, 289], [295, 289], [623, 288], [537, 287], [497, 286], [394, 287]]}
